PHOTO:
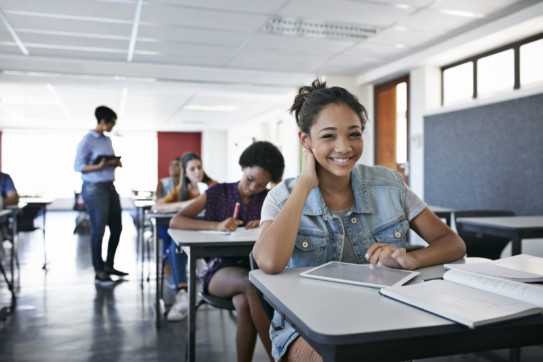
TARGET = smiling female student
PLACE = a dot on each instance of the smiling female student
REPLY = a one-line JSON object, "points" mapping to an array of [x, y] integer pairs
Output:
{"points": [[261, 163], [339, 210]]}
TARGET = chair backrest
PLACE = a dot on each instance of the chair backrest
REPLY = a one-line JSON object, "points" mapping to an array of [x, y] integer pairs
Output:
{"points": [[477, 245], [268, 309]]}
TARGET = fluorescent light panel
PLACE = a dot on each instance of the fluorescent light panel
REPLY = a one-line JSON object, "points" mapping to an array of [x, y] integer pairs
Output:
{"points": [[318, 29], [218, 108]]}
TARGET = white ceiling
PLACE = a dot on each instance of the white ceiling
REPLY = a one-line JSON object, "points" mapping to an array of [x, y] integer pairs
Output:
{"points": [[148, 60]]}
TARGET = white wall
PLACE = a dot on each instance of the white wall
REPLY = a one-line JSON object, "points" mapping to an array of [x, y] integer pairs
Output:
{"points": [[277, 127], [213, 156], [425, 95]]}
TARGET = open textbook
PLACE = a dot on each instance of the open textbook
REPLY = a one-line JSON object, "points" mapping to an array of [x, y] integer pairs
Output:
{"points": [[522, 268], [471, 299]]}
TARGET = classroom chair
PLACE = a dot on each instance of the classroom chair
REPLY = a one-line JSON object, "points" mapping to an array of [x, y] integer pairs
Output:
{"points": [[477, 245], [217, 302]]}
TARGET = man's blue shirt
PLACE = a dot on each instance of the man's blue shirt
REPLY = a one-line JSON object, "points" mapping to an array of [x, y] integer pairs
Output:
{"points": [[91, 146]]}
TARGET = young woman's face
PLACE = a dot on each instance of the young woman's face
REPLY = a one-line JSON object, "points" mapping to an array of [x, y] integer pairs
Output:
{"points": [[175, 168], [194, 171], [253, 181], [335, 139]]}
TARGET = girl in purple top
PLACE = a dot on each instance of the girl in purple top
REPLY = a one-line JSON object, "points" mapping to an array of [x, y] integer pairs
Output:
{"points": [[225, 277]]}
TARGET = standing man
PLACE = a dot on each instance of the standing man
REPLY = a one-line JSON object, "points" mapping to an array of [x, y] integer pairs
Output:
{"points": [[101, 198], [8, 191]]}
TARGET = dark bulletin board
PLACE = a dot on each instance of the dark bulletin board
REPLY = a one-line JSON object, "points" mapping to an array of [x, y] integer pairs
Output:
{"points": [[487, 157]]}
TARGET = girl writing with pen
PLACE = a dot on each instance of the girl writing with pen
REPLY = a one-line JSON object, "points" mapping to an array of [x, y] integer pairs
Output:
{"points": [[338, 210], [261, 163]]}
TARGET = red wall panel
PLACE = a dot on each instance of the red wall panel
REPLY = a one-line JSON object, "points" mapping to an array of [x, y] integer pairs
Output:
{"points": [[174, 144]]}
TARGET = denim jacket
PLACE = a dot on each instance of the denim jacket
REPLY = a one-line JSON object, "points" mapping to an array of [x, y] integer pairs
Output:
{"points": [[377, 215]]}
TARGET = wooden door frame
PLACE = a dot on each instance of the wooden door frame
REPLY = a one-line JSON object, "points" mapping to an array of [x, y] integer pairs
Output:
{"points": [[382, 87]]}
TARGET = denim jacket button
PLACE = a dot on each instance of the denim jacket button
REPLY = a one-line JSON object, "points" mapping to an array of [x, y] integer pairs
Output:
{"points": [[353, 220], [305, 244]]}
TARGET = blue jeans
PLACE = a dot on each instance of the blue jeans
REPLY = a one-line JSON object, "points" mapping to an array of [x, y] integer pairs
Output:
{"points": [[176, 257], [104, 209]]}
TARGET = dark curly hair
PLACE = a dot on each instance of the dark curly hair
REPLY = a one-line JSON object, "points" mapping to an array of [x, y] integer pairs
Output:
{"points": [[266, 156], [311, 99]]}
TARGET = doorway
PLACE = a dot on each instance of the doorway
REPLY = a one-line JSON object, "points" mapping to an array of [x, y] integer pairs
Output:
{"points": [[392, 125]]}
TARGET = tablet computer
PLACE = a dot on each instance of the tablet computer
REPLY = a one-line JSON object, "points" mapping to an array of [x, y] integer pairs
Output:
{"points": [[98, 159], [360, 274]]}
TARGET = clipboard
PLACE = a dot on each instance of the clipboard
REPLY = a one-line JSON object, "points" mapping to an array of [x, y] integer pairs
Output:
{"points": [[360, 274], [98, 159]]}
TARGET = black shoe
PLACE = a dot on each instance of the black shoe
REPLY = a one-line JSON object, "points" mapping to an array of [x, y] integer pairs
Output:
{"points": [[113, 271], [103, 280]]}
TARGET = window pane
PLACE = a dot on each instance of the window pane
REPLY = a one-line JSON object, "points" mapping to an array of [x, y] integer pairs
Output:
{"points": [[458, 83], [495, 73], [531, 63], [48, 168]]}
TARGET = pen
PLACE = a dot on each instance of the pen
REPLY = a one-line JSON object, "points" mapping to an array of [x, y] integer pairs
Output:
{"points": [[236, 211]]}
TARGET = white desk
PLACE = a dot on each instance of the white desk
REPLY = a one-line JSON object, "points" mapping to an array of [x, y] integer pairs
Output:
{"points": [[199, 244], [40, 203], [346, 323], [514, 227]]}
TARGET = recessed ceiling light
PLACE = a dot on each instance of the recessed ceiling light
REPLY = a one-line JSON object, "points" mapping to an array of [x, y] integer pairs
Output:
{"points": [[198, 107], [465, 14], [318, 29]]}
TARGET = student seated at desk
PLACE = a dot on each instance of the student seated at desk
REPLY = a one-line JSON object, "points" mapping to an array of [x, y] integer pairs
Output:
{"points": [[225, 277], [8, 191], [338, 210], [193, 180], [10, 196], [167, 184]]}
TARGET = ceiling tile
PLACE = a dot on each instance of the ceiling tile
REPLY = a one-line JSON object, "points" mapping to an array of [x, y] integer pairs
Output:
{"points": [[351, 12], [113, 10], [174, 34], [200, 19]]}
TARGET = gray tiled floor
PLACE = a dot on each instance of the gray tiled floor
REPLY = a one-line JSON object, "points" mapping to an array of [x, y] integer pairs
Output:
{"points": [[62, 316]]}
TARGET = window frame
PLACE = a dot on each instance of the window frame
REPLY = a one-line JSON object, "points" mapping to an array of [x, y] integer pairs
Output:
{"points": [[473, 59]]}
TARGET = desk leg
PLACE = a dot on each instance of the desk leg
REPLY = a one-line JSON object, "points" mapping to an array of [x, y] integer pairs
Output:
{"points": [[44, 267], [191, 332], [13, 252], [516, 246], [514, 354], [141, 222], [157, 266]]}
